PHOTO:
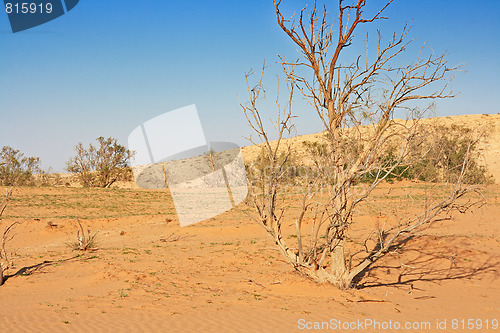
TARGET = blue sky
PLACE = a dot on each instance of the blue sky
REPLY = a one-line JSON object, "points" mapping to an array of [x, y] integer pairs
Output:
{"points": [[107, 66]]}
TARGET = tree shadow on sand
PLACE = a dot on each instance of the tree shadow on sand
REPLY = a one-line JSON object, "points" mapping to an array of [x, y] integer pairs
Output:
{"points": [[423, 259], [37, 268]]}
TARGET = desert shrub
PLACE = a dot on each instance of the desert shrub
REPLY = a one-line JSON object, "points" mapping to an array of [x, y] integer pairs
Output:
{"points": [[345, 95], [437, 158], [49, 178], [320, 151], [316, 149], [290, 168], [125, 174], [100, 166], [84, 242], [17, 169], [447, 154]]}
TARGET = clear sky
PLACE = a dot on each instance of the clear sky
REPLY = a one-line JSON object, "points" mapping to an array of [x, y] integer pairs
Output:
{"points": [[107, 66]]}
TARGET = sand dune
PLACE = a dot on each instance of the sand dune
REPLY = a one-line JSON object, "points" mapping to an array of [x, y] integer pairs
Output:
{"points": [[224, 274], [487, 125]]}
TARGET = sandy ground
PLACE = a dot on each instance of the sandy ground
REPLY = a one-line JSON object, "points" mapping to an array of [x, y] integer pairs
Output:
{"points": [[224, 275]]}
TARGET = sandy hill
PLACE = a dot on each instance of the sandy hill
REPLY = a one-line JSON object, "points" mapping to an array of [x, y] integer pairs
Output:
{"points": [[489, 146], [147, 274]]}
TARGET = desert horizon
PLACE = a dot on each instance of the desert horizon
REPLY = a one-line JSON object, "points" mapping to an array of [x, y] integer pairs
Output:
{"points": [[224, 274], [249, 166]]}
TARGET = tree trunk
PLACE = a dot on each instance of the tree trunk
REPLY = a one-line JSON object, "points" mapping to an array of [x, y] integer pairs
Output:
{"points": [[339, 271], [338, 275], [322, 276]]}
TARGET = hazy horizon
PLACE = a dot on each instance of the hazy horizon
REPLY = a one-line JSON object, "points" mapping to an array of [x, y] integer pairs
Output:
{"points": [[105, 67]]}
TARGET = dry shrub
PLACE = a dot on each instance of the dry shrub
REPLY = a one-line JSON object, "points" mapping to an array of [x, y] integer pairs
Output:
{"points": [[84, 241], [438, 157], [101, 166], [346, 92], [17, 169]]}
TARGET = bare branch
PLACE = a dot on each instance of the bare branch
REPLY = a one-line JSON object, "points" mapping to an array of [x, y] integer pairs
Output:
{"points": [[355, 101]]}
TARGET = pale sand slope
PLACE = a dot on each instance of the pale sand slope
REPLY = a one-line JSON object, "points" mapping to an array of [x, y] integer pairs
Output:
{"points": [[489, 147], [224, 275]]}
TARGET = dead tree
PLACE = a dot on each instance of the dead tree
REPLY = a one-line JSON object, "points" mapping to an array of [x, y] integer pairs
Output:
{"points": [[346, 94]]}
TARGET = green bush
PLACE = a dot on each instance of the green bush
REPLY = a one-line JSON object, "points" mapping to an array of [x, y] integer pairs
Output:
{"points": [[449, 154], [285, 167], [436, 155], [16, 169], [100, 166], [439, 158]]}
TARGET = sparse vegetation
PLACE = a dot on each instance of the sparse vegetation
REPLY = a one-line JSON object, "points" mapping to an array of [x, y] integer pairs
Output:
{"points": [[351, 160], [437, 158], [443, 160], [17, 169], [440, 158], [92, 203], [84, 242], [6, 236], [100, 166], [261, 167]]}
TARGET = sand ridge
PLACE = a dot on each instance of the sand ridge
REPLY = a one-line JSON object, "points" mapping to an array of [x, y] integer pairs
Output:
{"points": [[225, 275]]}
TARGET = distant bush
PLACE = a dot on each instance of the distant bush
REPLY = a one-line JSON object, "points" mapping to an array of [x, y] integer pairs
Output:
{"points": [[16, 169], [100, 166], [437, 155], [288, 165], [439, 158], [449, 152]]}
